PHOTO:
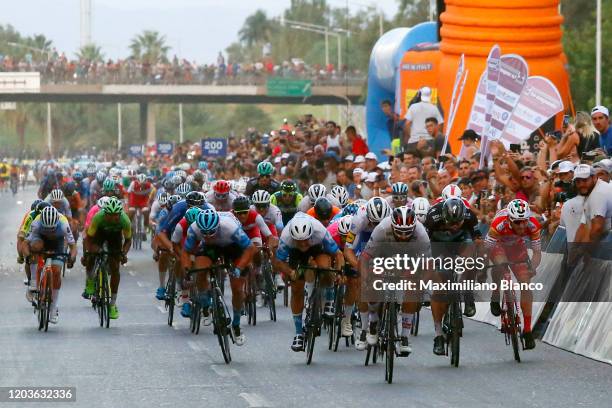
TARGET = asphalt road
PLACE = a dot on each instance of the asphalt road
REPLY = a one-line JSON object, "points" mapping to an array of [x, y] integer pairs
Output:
{"points": [[141, 362]]}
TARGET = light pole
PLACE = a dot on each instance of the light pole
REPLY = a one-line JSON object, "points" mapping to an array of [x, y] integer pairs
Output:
{"points": [[598, 56]]}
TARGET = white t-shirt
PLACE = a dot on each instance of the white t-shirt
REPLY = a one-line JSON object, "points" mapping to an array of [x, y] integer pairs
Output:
{"points": [[571, 214], [417, 114], [598, 203], [333, 142]]}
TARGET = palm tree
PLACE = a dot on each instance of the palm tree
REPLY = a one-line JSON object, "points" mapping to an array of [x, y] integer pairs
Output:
{"points": [[91, 52], [149, 46], [256, 29]]}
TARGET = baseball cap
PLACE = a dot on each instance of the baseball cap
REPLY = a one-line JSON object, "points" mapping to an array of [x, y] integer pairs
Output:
{"points": [[277, 160], [426, 94], [371, 156], [469, 134], [583, 171], [285, 156], [565, 167], [360, 159], [600, 109], [371, 177], [605, 164], [384, 165], [349, 158], [359, 171]]}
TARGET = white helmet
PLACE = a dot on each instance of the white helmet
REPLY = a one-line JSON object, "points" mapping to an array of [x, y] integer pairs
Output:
{"points": [[518, 210], [102, 201], [301, 228], [316, 191], [377, 209], [344, 224], [57, 195], [421, 206], [260, 197], [141, 178], [451, 191], [49, 217], [340, 194]]}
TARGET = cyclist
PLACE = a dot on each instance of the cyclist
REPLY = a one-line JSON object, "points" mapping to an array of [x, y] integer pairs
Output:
{"points": [[274, 220], [315, 191], [338, 196], [216, 235], [263, 181], [287, 200], [402, 228], [138, 198], [110, 226], [89, 278], [95, 187], [221, 197], [399, 195], [362, 225], [505, 241], [421, 207], [450, 222], [77, 206], [50, 231], [323, 211], [57, 199], [302, 239], [24, 229]]}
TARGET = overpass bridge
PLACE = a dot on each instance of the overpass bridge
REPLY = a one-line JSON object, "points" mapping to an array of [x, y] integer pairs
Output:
{"points": [[26, 87]]}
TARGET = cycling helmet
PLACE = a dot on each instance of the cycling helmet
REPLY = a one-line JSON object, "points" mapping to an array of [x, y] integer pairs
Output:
{"points": [[173, 199], [261, 197], [182, 174], [198, 176], [195, 198], [108, 185], [316, 191], [340, 194], [344, 224], [100, 176], [208, 221], [202, 165], [183, 189], [451, 191], [288, 186], [189, 179], [35, 204], [221, 187], [453, 210], [41, 206], [265, 168], [350, 209], [162, 199], [518, 210], [77, 175], [399, 188], [301, 228], [421, 206], [141, 178], [69, 188], [377, 209], [169, 185], [49, 217], [102, 201], [116, 178], [113, 206], [241, 204], [403, 221], [177, 180], [57, 195], [323, 208], [192, 214]]}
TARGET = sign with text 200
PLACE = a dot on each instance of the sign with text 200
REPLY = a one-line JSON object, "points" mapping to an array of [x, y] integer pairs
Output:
{"points": [[215, 147]]}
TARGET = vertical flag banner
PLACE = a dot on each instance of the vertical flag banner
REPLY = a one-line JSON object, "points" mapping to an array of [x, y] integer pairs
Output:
{"points": [[492, 72], [479, 107], [460, 79], [539, 101]]}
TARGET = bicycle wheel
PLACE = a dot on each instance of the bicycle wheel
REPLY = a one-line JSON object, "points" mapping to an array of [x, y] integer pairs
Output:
{"points": [[339, 314], [251, 296], [107, 299], [455, 330], [390, 327], [512, 328], [313, 316], [270, 288], [47, 302], [286, 294], [171, 296], [220, 321], [414, 330], [197, 317]]}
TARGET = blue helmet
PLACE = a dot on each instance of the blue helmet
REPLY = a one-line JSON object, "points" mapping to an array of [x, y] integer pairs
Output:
{"points": [[202, 165], [35, 204], [192, 214], [350, 209], [399, 188], [208, 222], [77, 175]]}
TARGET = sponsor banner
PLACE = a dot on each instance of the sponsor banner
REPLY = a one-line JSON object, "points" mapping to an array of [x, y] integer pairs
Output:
{"points": [[460, 79], [214, 147], [539, 101], [479, 107], [165, 148], [492, 72], [135, 150]]}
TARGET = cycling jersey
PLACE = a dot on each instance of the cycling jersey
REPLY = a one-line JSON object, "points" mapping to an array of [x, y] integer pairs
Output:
{"points": [[159, 218], [221, 205], [333, 231], [305, 204], [180, 232], [360, 232], [83, 188], [287, 210], [255, 224], [335, 212], [99, 223], [438, 231], [57, 235], [501, 232], [138, 194], [253, 185], [229, 232], [90, 214], [64, 208], [95, 190], [26, 223], [383, 232], [178, 211], [75, 201], [465, 201], [273, 218], [320, 236]]}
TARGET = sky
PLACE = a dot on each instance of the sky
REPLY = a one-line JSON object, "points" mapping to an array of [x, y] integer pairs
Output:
{"points": [[195, 29]]}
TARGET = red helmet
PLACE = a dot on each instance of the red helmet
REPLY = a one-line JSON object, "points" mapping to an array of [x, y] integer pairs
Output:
{"points": [[221, 187]]}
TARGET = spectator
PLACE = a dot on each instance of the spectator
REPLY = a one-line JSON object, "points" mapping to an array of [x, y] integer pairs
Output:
{"points": [[395, 125], [358, 145], [371, 161], [468, 144], [601, 121], [414, 128], [433, 129], [360, 162], [595, 221]]}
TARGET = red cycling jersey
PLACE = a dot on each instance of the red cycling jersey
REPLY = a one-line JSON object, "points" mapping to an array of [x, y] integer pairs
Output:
{"points": [[138, 194], [501, 232], [255, 226]]}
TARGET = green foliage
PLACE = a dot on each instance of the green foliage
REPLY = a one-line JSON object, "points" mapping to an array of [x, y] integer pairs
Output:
{"points": [[91, 52], [150, 46]]}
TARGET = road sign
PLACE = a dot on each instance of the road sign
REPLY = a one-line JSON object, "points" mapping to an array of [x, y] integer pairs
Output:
{"points": [[135, 150], [215, 147], [19, 82], [289, 87], [165, 148]]}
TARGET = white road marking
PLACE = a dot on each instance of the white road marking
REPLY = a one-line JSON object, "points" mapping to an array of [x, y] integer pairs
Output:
{"points": [[19, 202], [175, 326], [254, 400], [142, 284], [131, 273], [223, 371], [162, 309]]}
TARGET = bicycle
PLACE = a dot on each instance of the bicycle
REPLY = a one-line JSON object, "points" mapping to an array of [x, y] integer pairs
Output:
{"points": [[137, 229], [313, 320], [453, 325], [250, 293], [14, 184], [220, 312], [270, 290], [44, 290], [101, 300], [335, 330], [171, 295]]}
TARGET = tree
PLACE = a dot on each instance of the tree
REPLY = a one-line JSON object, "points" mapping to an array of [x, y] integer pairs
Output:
{"points": [[256, 29], [247, 116], [150, 46], [90, 52]]}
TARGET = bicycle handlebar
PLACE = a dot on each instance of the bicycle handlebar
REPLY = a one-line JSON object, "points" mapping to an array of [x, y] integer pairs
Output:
{"points": [[210, 268], [316, 269]]}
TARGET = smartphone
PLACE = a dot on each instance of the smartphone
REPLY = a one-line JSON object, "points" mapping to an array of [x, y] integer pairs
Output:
{"points": [[515, 148], [566, 120], [555, 135]]}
